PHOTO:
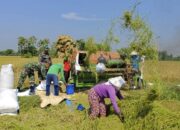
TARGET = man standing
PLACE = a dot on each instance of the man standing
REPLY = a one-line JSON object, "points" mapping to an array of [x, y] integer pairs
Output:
{"points": [[137, 81], [44, 57]]}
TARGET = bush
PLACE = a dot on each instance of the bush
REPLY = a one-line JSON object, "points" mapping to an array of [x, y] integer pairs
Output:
{"points": [[28, 55], [116, 63]]}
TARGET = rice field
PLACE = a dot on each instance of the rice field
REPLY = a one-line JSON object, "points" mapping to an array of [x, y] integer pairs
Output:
{"points": [[155, 108]]}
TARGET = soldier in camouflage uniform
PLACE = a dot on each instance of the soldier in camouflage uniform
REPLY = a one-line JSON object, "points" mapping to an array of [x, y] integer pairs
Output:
{"points": [[29, 70], [45, 58]]}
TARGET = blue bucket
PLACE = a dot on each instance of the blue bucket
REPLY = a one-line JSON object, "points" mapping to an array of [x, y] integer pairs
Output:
{"points": [[68, 102], [70, 89], [80, 107]]}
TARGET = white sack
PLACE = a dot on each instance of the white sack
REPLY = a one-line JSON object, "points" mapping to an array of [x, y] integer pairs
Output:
{"points": [[7, 76], [100, 68], [25, 93], [42, 86], [8, 101]]}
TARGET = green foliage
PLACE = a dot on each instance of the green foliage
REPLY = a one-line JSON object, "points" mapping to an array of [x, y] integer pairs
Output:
{"points": [[127, 17], [8, 52], [103, 46], [153, 108], [140, 114], [91, 48], [170, 92], [27, 45], [115, 63], [30, 45], [33, 101], [163, 55], [27, 55], [42, 44], [87, 77], [32, 40], [111, 38], [140, 35], [80, 44], [124, 51], [53, 50]]}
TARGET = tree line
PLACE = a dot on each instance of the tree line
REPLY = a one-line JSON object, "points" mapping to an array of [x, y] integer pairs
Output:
{"points": [[164, 56], [28, 47]]}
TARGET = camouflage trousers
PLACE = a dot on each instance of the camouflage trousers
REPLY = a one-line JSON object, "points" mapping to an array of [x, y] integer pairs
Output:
{"points": [[26, 73]]}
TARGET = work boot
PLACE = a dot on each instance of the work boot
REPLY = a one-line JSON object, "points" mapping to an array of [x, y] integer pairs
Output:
{"points": [[32, 90], [19, 89]]}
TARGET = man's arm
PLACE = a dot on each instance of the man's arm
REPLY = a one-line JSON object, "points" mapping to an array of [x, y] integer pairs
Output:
{"points": [[61, 73]]}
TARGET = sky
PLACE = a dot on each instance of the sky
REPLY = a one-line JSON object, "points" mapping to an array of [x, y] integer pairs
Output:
{"points": [[85, 18]]}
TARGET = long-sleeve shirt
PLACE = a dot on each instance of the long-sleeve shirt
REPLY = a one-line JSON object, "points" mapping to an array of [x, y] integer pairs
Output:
{"points": [[135, 60], [34, 66], [57, 69], [108, 91]]}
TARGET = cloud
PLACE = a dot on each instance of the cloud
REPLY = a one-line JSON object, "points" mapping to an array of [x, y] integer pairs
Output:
{"points": [[75, 16]]}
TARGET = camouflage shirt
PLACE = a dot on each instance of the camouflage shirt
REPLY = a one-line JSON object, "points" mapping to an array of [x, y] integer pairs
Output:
{"points": [[29, 70], [34, 66]]}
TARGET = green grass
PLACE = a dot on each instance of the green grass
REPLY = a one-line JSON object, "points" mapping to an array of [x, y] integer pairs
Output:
{"points": [[140, 114], [154, 108]]}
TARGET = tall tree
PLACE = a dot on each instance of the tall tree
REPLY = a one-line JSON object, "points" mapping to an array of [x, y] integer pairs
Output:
{"points": [[21, 45], [80, 44], [111, 38], [53, 50], [31, 48], [42, 44], [27, 45], [141, 35], [90, 47], [103, 46]]}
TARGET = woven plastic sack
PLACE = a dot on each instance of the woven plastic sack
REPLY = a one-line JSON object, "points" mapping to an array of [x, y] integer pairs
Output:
{"points": [[100, 68], [7, 76], [8, 101]]}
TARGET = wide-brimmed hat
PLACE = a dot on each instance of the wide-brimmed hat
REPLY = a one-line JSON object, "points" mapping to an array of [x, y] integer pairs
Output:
{"points": [[117, 82], [133, 53]]}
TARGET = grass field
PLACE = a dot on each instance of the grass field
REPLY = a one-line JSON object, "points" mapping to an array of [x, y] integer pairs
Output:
{"points": [[155, 108]]}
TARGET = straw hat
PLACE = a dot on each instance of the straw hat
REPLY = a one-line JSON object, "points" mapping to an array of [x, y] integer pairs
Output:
{"points": [[134, 53]]}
